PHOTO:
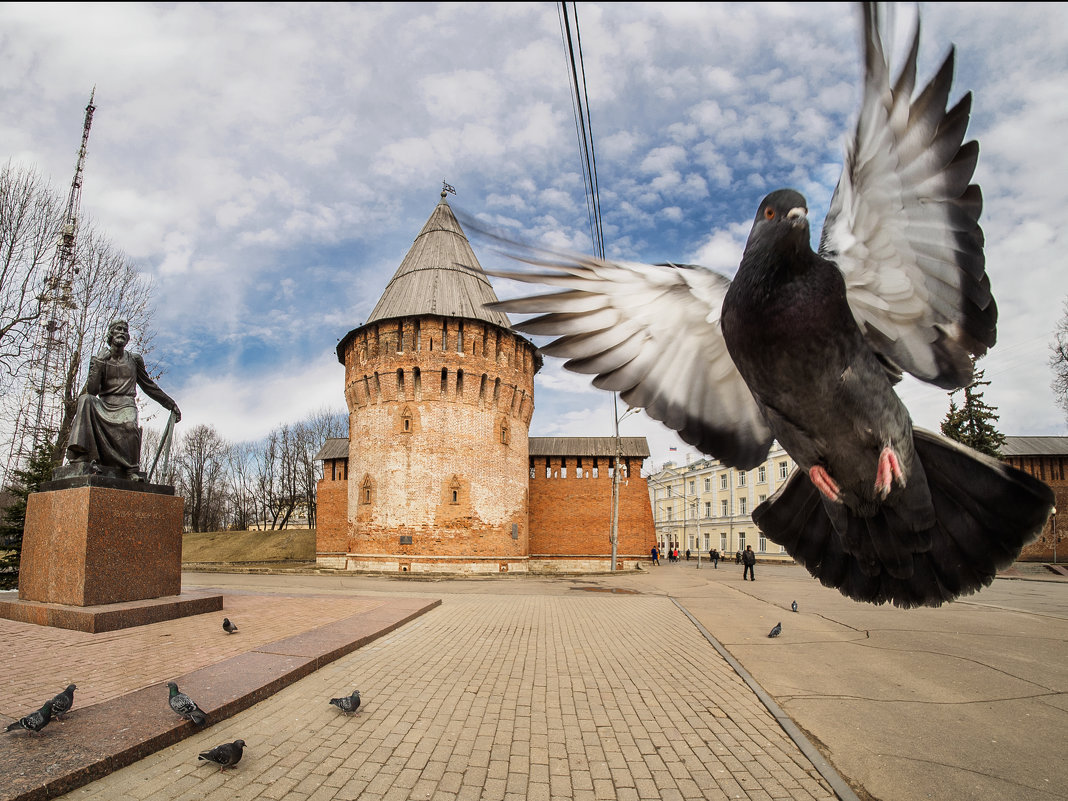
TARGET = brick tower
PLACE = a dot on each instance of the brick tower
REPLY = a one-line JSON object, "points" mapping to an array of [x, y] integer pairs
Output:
{"points": [[440, 393]]}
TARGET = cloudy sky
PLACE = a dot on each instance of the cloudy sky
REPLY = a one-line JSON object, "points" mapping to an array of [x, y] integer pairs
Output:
{"points": [[268, 165]]}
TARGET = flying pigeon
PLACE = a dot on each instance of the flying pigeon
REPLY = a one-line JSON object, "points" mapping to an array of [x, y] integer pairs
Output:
{"points": [[775, 632], [228, 627], [62, 703], [35, 721], [793, 606], [227, 754], [348, 704], [184, 705], [805, 348]]}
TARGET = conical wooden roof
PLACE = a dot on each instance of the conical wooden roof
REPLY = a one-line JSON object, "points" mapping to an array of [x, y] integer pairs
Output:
{"points": [[440, 276]]}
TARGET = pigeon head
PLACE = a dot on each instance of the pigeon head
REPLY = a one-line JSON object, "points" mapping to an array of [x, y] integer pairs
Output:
{"points": [[781, 216]]}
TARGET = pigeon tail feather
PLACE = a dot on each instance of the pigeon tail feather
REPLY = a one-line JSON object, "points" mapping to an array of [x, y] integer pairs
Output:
{"points": [[985, 513]]}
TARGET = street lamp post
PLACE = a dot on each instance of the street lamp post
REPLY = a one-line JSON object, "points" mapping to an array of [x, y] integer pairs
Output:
{"points": [[614, 535]]}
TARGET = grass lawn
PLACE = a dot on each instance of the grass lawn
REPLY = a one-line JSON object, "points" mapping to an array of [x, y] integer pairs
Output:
{"points": [[287, 545]]}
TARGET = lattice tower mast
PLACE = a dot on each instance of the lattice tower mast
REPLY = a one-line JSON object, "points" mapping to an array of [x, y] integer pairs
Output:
{"points": [[40, 416]]}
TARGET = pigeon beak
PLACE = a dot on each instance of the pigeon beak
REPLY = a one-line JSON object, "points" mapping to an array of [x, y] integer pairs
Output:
{"points": [[798, 216]]}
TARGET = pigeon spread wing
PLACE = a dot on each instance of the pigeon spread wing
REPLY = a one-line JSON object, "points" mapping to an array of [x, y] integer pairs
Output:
{"points": [[651, 333], [903, 225]]}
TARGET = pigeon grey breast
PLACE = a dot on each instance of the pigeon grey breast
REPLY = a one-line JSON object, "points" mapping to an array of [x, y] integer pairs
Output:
{"points": [[793, 606], [349, 703], [805, 348], [776, 631], [228, 627], [35, 721], [184, 705], [227, 754], [64, 701]]}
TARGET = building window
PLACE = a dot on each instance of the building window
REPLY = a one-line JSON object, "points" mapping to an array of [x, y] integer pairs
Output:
{"points": [[504, 432], [784, 469], [724, 508], [762, 475], [741, 478], [693, 487], [400, 337], [671, 512], [761, 498], [400, 383], [459, 383], [415, 336], [417, 383], [723, 542], [741, 540], [444, 379], [708, 508], [708, 484], [742, 505], [460, 337], [762, 543], [723, 481]]}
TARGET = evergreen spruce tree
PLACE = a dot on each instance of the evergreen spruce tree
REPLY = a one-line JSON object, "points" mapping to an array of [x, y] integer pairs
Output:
{"points": [[972, 423], [25, 482]]}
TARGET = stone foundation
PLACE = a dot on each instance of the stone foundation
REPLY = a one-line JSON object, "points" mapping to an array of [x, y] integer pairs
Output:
{"points": [[90, 545]]}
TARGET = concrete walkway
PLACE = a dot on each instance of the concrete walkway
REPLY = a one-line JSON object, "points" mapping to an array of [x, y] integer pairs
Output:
{"points": [[616, 687]]}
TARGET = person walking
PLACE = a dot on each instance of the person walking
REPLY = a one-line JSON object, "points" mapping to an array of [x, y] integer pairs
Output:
{"points": [[748, 559], [656, 555], [714, 556]]}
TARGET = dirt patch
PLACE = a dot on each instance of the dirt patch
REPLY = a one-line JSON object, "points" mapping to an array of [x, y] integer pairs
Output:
{"points": [[286, 545]]}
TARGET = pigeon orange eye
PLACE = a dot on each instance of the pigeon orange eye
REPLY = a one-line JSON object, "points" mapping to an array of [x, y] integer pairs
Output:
{"points": [[769, 213]]}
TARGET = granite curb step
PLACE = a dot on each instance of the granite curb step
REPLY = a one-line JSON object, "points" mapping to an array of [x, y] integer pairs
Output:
{"points": [[93, 741]]}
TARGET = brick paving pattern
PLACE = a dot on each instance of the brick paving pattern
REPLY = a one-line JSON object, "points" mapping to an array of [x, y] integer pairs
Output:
{"points": [[105, 666], [501, 697]]}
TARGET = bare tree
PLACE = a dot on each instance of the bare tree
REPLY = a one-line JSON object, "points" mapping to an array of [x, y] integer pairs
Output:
{"points": [[310, 435], [1059, 361], [201, 460], [241, 485], [31, 214]]}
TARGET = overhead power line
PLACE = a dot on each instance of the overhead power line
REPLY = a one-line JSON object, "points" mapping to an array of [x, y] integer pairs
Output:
{"points": [[569, 29]]}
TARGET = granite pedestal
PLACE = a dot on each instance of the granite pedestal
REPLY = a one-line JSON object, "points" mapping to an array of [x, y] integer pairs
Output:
{"points": [[104, 552]]}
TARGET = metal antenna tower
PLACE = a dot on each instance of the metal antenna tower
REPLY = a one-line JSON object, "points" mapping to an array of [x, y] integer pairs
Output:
{"points": [[40, 414]]}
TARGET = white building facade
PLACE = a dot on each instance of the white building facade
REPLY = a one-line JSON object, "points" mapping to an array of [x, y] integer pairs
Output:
{"points": [[704, 504]]}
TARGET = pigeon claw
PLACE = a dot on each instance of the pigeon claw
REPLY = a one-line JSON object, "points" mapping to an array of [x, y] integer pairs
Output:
{"points": [[888, 472], [824, 483]]}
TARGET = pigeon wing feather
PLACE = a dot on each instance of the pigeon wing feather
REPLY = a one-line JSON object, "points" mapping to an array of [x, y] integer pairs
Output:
{"points": [[903, 225], [651, 333]]}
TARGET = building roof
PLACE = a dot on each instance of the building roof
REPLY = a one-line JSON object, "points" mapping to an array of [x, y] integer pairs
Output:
{"points": [[334, 448], [1035, 446], [588, 446], [338, 448], [439, 276]]}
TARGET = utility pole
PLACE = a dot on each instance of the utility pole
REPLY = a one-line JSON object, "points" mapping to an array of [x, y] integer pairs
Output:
{"points": [[39, 416]]}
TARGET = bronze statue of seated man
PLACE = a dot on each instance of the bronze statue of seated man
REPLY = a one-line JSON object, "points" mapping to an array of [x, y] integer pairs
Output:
{"points": [[105, 437]]}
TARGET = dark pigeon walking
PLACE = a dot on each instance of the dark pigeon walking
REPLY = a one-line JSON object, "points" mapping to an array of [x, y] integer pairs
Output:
{"points": [[805, 348], [793, 606], [348, 704], [184, 705], [228, 627], [35, 721], [64, 701], [775, 632], [227, 755]]}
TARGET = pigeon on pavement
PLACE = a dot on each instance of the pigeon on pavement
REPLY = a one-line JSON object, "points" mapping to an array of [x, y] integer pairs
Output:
{"points": [[184, 705], [348, 704], [775, 632], [62, 703], [35, 721], [228, 627], [793, 606], [805, 348], [227, 754]]}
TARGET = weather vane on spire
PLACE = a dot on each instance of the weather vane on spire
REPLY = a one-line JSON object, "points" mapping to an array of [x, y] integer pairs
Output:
{"points": [[447, 187]]}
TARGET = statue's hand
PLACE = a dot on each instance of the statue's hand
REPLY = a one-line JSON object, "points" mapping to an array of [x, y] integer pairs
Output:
{"points": [[177, 414]]}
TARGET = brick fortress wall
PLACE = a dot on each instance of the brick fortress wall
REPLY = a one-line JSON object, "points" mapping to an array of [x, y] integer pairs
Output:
{"points": [[571, 513], [1050, 469], [439, 410]]}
